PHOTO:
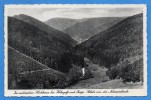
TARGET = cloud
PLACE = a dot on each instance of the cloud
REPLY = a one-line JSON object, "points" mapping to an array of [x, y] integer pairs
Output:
{"points": [[44, 14]]}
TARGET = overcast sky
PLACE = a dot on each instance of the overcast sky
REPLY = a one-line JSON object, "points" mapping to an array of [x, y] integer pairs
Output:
{"points": [[44, 14]]}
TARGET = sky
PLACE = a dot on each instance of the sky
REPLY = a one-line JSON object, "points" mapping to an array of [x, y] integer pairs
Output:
{"points": [[44, 14]]}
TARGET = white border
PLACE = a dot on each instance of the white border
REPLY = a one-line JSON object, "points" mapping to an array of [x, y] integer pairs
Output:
{"points": [[132, 92]]}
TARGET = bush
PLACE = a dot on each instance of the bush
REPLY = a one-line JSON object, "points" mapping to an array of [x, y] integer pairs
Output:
{"points": [[74, 74], [133, 72], [127, 71], [113, 72], [72, 77]]}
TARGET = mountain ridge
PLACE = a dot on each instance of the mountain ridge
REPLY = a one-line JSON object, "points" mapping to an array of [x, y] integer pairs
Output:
{"points": [[60, 23], [42, 26], [86, 29], [35, 43]]}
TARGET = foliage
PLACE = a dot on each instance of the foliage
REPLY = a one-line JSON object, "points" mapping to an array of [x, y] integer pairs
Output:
{"points": [[112, 46], [127, 71], [27, 72], [35, 43]]}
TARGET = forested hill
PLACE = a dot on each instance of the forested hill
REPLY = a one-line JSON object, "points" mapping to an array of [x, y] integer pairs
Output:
{"points": [[33, 42], [82, 31], [118, 47], [65, 38], [37, 55]]}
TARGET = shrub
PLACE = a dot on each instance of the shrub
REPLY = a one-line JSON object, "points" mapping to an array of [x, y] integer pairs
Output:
{"points": [[127, 71], [113, 72], [133, 72], [74, 74]]}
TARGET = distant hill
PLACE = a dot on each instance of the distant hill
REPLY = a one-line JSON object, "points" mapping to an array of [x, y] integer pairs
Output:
{"points": [[65, 38], [84, 30], [63, 23], [60, 23], [119, 48]]}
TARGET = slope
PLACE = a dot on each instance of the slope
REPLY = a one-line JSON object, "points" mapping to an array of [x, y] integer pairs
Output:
{"points": [[22, 63], [43, 27], [22, 67], [119, 48], [84, 30], [35, 43]]}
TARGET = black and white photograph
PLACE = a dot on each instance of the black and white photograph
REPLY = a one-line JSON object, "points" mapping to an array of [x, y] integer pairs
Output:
{"points": [[88, 48]]}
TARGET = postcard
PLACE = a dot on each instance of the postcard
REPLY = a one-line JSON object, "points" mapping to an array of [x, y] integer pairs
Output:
{"points": [[75, 50]]}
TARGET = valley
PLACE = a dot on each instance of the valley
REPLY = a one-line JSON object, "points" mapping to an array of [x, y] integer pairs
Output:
{"points": [[52, 54]]}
